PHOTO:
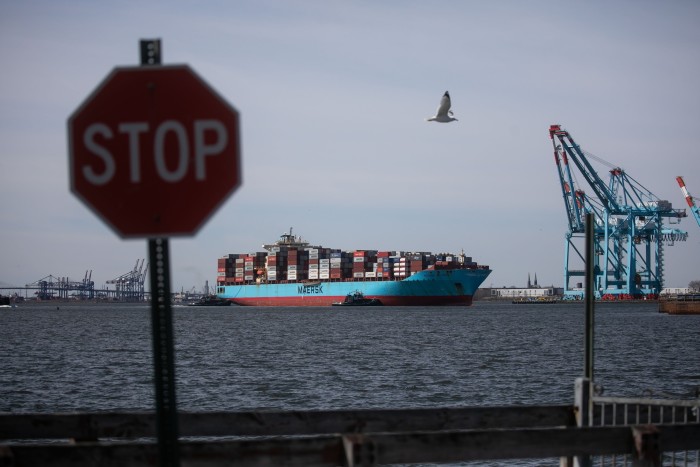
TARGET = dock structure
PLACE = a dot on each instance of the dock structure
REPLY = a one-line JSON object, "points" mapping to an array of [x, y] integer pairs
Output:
{"points": [[685, 304]]}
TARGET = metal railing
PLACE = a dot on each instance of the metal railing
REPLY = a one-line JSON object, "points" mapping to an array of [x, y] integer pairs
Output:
{"points": [[330, 438], [618, 411]]}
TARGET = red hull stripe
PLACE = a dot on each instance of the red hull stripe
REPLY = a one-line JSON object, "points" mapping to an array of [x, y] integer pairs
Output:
{"points": [[464, 300]]}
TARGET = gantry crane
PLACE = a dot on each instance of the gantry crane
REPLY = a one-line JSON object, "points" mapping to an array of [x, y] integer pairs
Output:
{"points": [[130, 286], [629, 232], [689, 199], [62, 287]]}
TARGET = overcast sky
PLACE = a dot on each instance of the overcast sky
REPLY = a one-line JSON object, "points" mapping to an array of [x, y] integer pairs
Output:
{"points": [[333, 98]]}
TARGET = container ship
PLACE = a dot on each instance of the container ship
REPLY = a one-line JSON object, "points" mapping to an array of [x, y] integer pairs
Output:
{"points": [[291, 272]]}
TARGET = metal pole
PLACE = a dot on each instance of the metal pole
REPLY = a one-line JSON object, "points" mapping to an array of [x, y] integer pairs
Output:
{"points": [[589, 298], [163, 352], [584, 386], [162, 323]]}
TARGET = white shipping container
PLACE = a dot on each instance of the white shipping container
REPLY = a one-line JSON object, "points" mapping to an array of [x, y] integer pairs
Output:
{"points": [[370, 274], [291, 276], [312, 250], [248, 278], [324, 261], [358, 259], [313, 255], [271, 269], [335, 260], [248, 268], [239, 269], [313, 266], [324, 276], [358, 274], [292, 267]]}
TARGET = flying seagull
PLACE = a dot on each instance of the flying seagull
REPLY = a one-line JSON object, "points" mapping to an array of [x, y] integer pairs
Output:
{"points": [[443, 114]]}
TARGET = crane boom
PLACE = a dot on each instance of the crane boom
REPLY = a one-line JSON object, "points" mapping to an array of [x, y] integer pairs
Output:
{"points": [[689, 199]]}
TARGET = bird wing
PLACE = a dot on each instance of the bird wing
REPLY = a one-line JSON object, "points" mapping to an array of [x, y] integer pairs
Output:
{"points": [[445, 105]]}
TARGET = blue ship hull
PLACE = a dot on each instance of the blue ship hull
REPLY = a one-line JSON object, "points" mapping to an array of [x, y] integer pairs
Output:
{"points": [[432, 287]]}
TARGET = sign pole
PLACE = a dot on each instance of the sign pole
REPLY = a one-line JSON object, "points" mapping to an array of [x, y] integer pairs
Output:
{"points": [[121, 167], [162, 323], [163, 351]]}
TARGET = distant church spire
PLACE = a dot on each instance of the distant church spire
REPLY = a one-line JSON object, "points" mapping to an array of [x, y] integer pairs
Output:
{"points": [[529, 285], [535, 279]]}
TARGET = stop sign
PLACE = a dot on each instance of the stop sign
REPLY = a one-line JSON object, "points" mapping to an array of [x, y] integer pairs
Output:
{"points": [[154, 151]]}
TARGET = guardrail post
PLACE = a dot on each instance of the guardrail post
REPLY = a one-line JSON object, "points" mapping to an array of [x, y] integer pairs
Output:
{"points": [[584, 413], [646, 445], [359, 451]]}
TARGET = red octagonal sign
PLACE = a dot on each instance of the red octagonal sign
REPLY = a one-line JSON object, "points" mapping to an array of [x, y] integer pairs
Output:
{"points": [[154, 151]]}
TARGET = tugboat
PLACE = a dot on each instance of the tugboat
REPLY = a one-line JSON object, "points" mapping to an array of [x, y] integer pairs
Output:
{"points": [[358, 299], [5, 302], [211, 300]]}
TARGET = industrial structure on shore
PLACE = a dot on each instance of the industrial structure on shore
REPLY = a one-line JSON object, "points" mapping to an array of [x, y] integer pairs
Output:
{"points": [[630, 227], [128, 287]]}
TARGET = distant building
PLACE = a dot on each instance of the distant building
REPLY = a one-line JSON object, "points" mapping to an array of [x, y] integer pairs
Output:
{"points": [[512, 292], [532, 290], [667, 291]]}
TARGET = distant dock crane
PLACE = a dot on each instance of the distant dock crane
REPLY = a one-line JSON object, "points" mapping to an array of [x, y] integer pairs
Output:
{"points": [[50, 287], [629, 229], [130, 286]]}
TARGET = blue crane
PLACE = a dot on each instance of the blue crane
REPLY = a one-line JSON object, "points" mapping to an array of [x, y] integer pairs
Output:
{"points": [[629, 232]]}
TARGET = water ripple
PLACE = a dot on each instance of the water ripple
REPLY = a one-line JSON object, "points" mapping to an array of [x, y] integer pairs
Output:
{"points": [[87, 357]]}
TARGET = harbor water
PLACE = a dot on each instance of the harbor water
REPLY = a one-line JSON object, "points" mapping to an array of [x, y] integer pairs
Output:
{"points": [[57, 357]]}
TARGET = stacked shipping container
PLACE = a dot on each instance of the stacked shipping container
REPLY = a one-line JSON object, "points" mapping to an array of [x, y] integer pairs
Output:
{"points": [[297, 264]]}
